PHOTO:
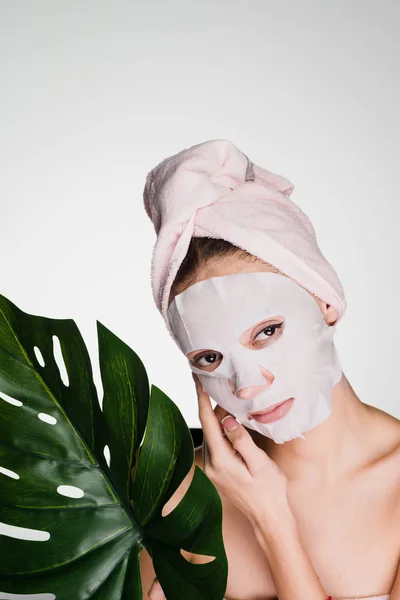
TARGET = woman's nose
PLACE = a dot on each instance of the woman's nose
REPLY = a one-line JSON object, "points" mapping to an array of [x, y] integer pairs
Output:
{"points": [[250, 391]]}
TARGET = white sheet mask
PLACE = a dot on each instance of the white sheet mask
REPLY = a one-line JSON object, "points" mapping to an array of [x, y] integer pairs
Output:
{"points": [[300, 358]]}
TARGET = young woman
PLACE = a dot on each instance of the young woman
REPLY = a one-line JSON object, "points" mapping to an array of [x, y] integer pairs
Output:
{"points": [[308, 474]]}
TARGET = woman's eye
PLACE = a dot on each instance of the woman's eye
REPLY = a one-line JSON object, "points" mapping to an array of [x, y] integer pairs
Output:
{"points": [[208, 359], [268, 331]]}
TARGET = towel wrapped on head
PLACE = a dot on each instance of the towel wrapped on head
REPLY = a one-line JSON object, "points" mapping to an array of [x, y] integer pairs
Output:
{"points": [[213, 190]]}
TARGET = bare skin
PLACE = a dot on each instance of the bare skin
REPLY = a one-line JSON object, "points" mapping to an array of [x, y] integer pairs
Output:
{"points": [[343, 488]]}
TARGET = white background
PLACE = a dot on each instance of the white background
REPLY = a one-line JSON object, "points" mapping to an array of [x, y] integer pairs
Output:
{"points": [[96, 93]]}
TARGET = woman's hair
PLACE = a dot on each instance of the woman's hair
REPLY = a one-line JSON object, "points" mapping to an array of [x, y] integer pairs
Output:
{"points": [[200, 252]]}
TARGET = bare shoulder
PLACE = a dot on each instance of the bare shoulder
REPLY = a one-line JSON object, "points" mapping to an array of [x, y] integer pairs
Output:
{"points": [[387, 475], [393, 454], [386, 432], [384, 446]]}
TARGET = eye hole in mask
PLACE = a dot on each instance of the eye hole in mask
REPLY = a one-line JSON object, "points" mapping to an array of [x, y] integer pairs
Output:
{"points": [[269, 330], [255, 338]]}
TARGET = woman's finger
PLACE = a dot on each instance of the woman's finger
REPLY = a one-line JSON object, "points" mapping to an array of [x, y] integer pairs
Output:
{"points": [[243, 443], [209, 422], [220, 413]]}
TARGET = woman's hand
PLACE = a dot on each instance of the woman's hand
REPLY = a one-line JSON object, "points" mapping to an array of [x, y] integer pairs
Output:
{"points": [[238, 468]]}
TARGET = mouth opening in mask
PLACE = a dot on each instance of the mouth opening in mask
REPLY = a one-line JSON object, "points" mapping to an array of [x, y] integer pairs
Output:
{"points": [[273, 413]]}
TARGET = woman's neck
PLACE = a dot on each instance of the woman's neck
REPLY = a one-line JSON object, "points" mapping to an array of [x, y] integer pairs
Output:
{"points": [[330, 450]]}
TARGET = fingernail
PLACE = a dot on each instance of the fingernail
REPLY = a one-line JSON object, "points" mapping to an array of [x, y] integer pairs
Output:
{"points": [[229, 423]]}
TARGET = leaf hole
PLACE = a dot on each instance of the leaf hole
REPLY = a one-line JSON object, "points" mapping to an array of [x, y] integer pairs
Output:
{"points": [[47, 418], [70, 491], [10, 400], [23, 533], [177, 495], [107, 455], [60, 360], [9, 473], [196, 559], [39, 356]]}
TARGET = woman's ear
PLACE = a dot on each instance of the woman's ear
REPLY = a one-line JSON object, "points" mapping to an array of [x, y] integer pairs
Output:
{"points": [[330, 314]]}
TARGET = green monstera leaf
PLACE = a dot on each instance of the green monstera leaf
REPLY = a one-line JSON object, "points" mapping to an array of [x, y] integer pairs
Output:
{"points": [[71, 525]]}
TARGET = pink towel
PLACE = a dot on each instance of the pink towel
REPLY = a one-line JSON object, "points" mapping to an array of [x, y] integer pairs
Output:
{"points": [[213, 190]]}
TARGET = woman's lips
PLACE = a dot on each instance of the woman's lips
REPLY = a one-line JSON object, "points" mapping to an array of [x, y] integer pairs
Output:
{"points": [[273, 413]]}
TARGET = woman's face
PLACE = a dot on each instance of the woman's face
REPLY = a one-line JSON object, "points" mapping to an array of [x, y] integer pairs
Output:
{"points": [[258, 340]]}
